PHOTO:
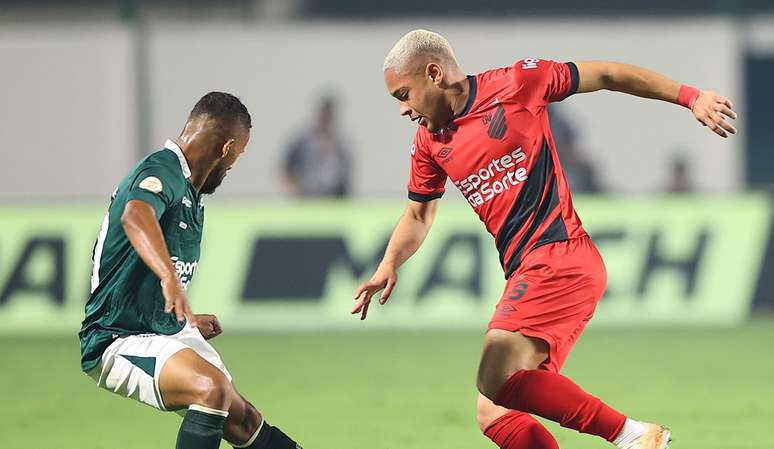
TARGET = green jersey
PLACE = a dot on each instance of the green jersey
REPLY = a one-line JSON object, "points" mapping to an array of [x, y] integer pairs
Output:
{"points": [[125, 294]]}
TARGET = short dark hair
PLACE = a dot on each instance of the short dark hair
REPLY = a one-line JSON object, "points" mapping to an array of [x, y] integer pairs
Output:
{"points": [[223, 107]]}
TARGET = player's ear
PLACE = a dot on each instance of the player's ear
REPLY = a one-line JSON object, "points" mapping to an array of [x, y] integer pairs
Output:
{"points": [[228, 146], [435, 73]]}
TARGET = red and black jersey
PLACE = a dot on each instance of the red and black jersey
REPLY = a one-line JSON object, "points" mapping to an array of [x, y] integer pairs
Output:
{"points": [[500, 154]]}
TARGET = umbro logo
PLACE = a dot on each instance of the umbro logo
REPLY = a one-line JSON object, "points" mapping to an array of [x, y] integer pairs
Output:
{"points": [[507, 309], [445, 154], [187, 203]]}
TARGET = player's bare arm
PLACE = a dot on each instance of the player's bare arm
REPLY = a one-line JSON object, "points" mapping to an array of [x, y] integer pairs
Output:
{"points": [[709, 108], [143, 231], [409, 233]]}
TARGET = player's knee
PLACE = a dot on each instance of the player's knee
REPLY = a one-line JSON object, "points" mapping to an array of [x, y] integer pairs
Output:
{"points": [[489, 384], [212, 391]]}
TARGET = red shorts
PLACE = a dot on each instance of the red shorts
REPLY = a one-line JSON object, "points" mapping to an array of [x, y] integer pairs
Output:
{"points": [[552, 295]]}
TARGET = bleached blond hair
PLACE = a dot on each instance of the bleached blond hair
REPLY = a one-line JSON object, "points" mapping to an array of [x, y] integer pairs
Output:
{"points": [[416, 43]]}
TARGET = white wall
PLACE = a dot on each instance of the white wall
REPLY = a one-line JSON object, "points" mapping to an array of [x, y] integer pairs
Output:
{"points": [[71, 98], [66, 109]]}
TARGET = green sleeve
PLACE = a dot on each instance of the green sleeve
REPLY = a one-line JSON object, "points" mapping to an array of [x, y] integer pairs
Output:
{"points": [[158, 186]]}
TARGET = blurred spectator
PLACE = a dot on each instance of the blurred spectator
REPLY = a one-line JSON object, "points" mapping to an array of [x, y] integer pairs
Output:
{"points": [[679, 179], [317, 161], [580, 172]]}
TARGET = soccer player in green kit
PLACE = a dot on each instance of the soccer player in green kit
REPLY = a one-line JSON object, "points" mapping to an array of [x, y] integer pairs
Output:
{"points": [[140, 338]]}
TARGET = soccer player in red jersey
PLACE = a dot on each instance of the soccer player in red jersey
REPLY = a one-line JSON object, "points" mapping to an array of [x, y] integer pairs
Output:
{"points": [[490, 134]]}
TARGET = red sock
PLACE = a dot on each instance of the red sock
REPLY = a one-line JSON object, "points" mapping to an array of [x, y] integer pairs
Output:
{"points": [[518, 430], [557, 398]]}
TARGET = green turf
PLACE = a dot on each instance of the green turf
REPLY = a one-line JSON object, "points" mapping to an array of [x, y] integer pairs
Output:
{"points": [[714, 388]]}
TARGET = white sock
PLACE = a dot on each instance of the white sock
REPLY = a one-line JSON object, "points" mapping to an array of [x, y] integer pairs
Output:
{"points": [[631, 431], [209, 411]]}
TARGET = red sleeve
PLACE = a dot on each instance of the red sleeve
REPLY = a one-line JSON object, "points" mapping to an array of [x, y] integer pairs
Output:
{"points": [[427, 181], [539, 82]]}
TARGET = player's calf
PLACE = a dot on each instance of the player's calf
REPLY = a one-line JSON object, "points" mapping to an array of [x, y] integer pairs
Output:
{"points": [[247, 428], [242, 423]]}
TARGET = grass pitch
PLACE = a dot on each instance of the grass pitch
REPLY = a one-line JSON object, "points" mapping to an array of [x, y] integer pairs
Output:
{"points": [[408, 390]]}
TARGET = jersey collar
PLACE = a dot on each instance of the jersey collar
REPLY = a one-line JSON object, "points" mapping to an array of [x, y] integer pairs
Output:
{"points": [[173, 147], [471, 97]]}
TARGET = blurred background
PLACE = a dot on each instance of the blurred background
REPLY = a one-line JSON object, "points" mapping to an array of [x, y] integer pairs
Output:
{"points": [[682, 217]]}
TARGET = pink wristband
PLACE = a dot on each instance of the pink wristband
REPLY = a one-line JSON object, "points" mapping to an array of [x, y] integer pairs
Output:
{"points": [[687, 96]]}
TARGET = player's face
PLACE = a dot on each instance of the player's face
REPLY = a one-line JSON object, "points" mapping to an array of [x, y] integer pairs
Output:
{"points": [[235, 149], [420, 95]]}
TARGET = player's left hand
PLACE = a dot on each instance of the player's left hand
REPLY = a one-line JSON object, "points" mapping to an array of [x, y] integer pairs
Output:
{"points": [[711, 110], [385, 279], [208, 325]]}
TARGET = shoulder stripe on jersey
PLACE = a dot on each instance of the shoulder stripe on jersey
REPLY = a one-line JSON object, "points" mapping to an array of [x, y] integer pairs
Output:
{"points": [[423, 197], [574, 78]]}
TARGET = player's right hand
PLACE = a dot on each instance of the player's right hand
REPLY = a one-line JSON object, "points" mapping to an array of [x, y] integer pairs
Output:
{"points": [[175, 300], [384, 279], [711, 110]]}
